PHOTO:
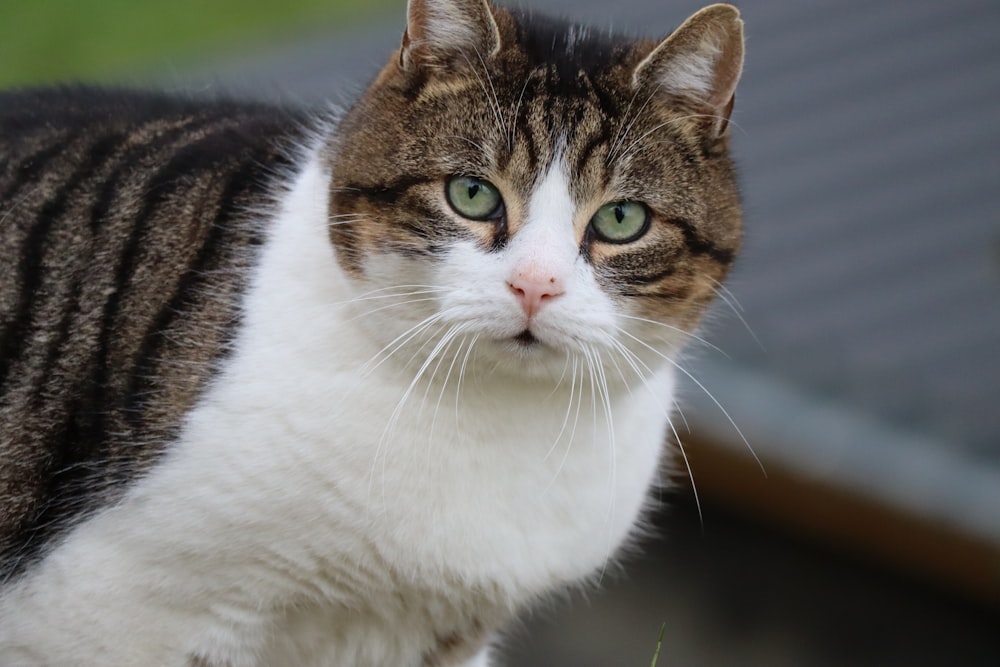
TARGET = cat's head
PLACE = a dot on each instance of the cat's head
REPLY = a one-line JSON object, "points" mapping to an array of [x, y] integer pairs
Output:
{"points": [[543, 190]]}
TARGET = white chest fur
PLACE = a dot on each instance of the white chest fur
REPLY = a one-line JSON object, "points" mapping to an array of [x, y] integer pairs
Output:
{"points": [[310, 515]]}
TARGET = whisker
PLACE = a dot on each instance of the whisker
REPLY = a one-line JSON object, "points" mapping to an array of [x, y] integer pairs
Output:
{"points": [[618, 368], [376, 294], [679, 330], [461, 374], [562, 376], [727, 294], [398, 304], [576, 420], [376, 297], [569, 404], [690, 474], [493, 100], [398, 342], [390, 426], [380, 290], [453, 333], [475, 144], [633, 361], [599, 379], [613, 153], [628, 150], [701, 386], [493, 90], [680, 412], [517, 111], [728, 298], [430, 340], [630, 358]]}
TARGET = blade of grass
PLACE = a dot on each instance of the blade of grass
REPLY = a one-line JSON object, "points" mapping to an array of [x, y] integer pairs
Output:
{"points": [[659, 643]]}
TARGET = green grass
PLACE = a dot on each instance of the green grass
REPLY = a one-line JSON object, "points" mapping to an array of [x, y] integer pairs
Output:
{"points": [[44, 41], [659, 645]]}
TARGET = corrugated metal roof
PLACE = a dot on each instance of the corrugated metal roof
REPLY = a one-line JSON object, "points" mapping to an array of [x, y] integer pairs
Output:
{"points": [[873, 190], [871, 272]]}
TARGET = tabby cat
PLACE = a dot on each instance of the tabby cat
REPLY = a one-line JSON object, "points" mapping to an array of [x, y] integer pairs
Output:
{"points": [[280, 387]]}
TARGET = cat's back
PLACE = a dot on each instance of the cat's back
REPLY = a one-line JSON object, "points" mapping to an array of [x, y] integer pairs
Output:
{"points": [[126, 235]]}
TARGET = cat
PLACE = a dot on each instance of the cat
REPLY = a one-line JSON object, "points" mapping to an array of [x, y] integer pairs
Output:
{"points": [[288, 387]]}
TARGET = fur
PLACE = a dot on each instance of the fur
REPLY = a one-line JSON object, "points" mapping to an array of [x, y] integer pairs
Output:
{"points": [[348, 425]]}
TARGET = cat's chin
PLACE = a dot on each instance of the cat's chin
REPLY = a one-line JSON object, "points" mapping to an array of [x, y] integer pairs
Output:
{"points": [[528, 357]]}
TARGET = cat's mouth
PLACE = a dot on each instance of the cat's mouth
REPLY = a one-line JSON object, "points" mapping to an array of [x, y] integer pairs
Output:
{"points": [[526, 339]]}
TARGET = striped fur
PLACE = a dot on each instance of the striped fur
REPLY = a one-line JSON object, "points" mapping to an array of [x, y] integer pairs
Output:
{"points": [[125, 245], [214, 317]]}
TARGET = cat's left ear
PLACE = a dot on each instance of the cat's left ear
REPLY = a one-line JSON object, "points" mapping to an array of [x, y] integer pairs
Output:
{"points": [[447, 32], [701, 61]]}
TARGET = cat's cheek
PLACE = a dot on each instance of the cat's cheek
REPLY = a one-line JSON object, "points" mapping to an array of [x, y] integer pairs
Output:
{"points": [[473, 289]]}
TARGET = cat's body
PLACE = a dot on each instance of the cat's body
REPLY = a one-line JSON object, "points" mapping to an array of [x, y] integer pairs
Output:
{"points": [[282, 391]]}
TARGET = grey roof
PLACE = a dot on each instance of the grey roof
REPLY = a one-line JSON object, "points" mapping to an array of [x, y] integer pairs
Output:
{"points": [[873, 188], [872, 268], [868, 138]]}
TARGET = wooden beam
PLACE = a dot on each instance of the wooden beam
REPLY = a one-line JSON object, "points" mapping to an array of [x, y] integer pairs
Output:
{"points": [[916, 545]]}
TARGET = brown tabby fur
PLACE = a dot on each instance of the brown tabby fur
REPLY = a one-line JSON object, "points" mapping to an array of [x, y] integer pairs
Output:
{"points": [[124, 254]]}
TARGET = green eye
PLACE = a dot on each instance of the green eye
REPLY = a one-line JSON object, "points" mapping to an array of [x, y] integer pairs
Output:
{"points": [[473, 198], [621, 221]]}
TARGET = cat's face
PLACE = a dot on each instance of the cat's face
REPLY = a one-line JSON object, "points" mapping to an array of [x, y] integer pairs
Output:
{"points": [[528, 193]]}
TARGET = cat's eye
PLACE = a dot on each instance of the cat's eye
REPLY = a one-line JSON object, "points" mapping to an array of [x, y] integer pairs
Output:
{"points": [[621, 221], [474, 198]]}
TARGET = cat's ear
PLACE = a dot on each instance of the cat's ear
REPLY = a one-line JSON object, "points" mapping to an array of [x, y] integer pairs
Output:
{"points": [[701, 61], [445, 32]]}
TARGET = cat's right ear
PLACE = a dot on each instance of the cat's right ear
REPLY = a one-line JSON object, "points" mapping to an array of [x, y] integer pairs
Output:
{"points": [[701, 61], [443, 33]]}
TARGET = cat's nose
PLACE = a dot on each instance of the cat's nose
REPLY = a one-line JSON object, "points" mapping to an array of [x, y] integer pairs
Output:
{"points": [[534, 288]]}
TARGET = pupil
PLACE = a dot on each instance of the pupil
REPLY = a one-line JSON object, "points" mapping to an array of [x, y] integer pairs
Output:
{"points": [[473, 191], [619, 213]]}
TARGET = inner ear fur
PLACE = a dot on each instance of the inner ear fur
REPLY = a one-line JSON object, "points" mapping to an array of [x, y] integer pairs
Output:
{"points": [[442, 33], [701, 61]]}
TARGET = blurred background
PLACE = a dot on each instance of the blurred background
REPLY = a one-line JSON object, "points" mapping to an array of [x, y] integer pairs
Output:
{"points": [[860, 337]]}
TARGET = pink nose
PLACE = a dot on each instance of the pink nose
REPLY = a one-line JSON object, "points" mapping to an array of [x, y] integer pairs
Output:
{"points": [[533, 289]]}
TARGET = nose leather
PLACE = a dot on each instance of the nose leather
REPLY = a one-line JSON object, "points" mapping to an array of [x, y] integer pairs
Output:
{"points": [[534, 289]]}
